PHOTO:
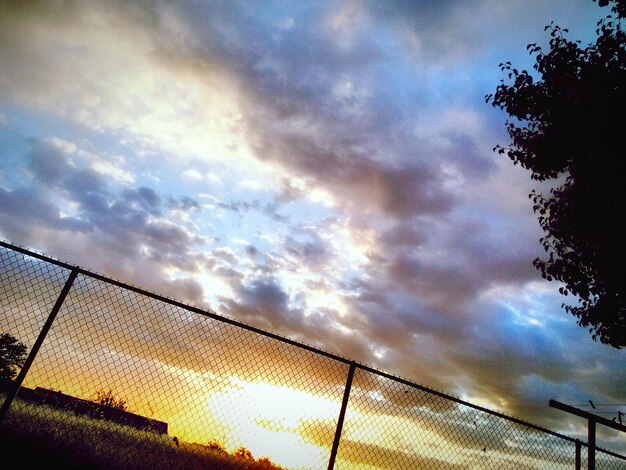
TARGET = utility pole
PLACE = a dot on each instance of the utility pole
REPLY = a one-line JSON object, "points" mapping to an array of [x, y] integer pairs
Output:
{"points": [[591, 428]]}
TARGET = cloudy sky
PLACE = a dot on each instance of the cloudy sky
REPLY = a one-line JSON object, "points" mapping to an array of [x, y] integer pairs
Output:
{"points": [[320, 169]]}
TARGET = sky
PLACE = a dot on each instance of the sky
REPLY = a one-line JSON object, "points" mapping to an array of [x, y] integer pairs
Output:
{"points": [[322, 170]]}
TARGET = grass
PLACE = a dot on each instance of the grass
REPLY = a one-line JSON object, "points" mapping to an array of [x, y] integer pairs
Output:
{"points": [[39, 436]]}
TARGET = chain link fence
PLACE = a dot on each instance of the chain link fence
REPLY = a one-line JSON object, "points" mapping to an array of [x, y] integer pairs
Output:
{"points": [[116, 377]]}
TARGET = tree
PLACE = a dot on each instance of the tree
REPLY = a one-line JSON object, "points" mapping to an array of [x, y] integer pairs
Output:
{"points": [[567, 127], [216, 446], [107, 398], [12, 356], [243, 453]]}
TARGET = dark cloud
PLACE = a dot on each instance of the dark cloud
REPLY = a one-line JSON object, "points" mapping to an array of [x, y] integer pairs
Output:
{"points": [[125, 225], [24, 208], [395, 317], [269, 209], [308, 246], [263, 302], [506, 354], [464, 152], [444, 30], [184, 203], [416, 305], [448, 287], [360, 183], [252, 250], [403, 234], [146, 198], [439, 266], [47, 163], [309, 116]]}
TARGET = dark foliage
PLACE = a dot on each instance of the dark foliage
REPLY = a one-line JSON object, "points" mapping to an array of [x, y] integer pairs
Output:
{"points": [[243, 453], [567, 125], [12, 356], [108, 398]]}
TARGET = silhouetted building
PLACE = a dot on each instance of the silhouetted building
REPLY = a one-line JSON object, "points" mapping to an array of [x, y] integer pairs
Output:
{"points": [[80, 406]]}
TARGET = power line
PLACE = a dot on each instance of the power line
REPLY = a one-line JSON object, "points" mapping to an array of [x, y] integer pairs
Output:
{"points": [[603, 404]]}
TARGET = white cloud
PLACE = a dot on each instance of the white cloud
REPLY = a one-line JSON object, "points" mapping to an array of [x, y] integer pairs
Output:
{"points": [[213, 178], [287, 24], [113, 170], [193, 175], [64, 145], [121, 79], [252, 185]]}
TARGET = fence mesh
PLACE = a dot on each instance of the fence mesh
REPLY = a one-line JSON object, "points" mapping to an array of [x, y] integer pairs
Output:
{"points": [[127, 379], [393, 425], [605, 461], [28, 290]]}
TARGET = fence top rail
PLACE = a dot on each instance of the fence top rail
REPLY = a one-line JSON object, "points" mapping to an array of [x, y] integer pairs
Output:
{"points": [[34, 254], [283, 339]]}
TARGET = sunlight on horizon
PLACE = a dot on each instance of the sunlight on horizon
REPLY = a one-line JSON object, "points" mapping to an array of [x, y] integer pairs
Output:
{"points": [[270, 420]]}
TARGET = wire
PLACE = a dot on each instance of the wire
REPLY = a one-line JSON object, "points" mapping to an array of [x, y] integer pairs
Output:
{"points": [[603, 404]]}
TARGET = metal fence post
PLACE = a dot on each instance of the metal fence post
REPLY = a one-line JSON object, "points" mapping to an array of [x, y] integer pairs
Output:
{"points": [[342, 414], [578, 460], [592, 419], [35, 349], [591, 445]]}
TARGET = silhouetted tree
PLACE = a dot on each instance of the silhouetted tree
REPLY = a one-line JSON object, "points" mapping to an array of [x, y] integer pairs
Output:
{"points": [[568, 126], [107, 398], [216, 446], [243, 453], [12, 356]]}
